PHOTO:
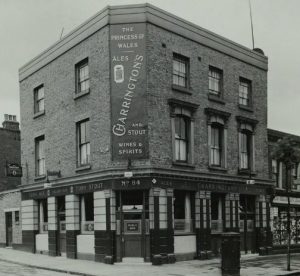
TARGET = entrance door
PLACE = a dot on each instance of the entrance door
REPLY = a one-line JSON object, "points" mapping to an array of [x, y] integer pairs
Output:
{"points": [[133, 238], [61, 225], [132, 227], [8, 223]]}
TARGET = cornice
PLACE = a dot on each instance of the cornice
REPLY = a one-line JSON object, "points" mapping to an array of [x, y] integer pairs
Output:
{"points": [[143, 13]]}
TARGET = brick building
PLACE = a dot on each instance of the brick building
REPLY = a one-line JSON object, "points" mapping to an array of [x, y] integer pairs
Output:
{"points": [[280, 201], [140, 130], [10, 172]]}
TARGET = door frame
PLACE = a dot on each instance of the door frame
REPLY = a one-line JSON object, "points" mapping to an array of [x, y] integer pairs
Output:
{"points": [[143, 225]]}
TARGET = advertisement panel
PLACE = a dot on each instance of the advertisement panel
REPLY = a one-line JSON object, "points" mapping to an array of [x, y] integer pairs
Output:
{"points": [[128, 91]]}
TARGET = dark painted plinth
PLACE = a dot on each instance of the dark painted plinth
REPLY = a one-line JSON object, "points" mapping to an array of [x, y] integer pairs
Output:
{"points": [[52, 240], [28, 238], [203, 237], [71, 243], [162, 242], [105, 246]]}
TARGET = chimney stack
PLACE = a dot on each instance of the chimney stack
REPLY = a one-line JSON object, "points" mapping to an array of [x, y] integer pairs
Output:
{"points": [[10, 122]]}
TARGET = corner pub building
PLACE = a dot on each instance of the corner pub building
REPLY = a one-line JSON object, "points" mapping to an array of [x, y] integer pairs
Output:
{"points": [[140, 130]]}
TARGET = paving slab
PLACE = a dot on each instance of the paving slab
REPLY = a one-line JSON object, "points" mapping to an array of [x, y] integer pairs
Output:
{"points": [[251, 265]]}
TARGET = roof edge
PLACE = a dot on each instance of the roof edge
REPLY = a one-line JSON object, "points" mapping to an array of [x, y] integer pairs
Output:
{"points": [[142, 13]]}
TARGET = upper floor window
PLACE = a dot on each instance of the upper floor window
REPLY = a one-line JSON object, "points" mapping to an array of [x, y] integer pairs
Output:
{"points": [[275, 170], [217, 136], [215, 81], [182, 125], [295, 171], [245, 139], [83, 138], [40, 156], [216, 145], [39, 97], [181, 138], [180, 70], [245, 92], [82, 76], [246, 150]]}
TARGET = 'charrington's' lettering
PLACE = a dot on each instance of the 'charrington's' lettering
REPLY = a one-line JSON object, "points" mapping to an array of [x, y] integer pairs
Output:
{"points": [[119, 129]]}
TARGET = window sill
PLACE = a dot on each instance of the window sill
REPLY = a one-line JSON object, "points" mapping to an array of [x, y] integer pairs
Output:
{"points": [[83, 168], [246, 108], [38, 114], [215, 98], [185, 234], [215, 168], [182, 89], [40, 177], [246, 172], [182, 164], [81, 94]]}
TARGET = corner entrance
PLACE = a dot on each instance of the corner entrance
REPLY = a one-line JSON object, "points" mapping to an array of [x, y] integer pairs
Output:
{"points": [[133, 225]]}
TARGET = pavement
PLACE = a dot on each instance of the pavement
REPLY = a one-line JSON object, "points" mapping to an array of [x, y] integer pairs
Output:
{"points": [[251, 265]]}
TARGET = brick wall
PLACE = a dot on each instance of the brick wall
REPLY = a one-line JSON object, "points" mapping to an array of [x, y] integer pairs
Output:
{"points": [[10, 202], [159, 69], [62, 111], [9, 152]]}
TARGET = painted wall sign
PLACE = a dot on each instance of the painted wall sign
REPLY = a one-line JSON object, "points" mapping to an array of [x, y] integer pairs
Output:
{"points": [[237, 188], [13, 170], [132, 227], [128, 91]]}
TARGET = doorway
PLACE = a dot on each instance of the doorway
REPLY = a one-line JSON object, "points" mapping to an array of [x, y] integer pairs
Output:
{"points": [[61, 220], [133, 224], [8, 223]]}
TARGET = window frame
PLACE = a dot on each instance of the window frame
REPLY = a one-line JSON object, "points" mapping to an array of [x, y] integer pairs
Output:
{"points": [[84, 223], [181, 108], [249, 92], [211, 78], [182, 60], [245, 149], [184, 217], [82, 64], [86, 143], [248, 129], [38, 157], [217, 119], [179, 139], [39, 101], [217, 148]]}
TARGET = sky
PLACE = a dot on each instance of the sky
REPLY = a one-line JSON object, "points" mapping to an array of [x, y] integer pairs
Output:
{"points": [[27, 27]]}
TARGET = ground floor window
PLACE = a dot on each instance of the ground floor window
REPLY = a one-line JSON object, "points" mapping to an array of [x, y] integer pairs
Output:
{"points": [[247, 213], [87, 213], [280, 236], [43, 215], [183, 211], [217, 214]]}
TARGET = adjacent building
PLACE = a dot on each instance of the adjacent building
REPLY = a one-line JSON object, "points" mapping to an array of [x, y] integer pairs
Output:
{"points": [[10, 179], [280, 200], [144, 135]]}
